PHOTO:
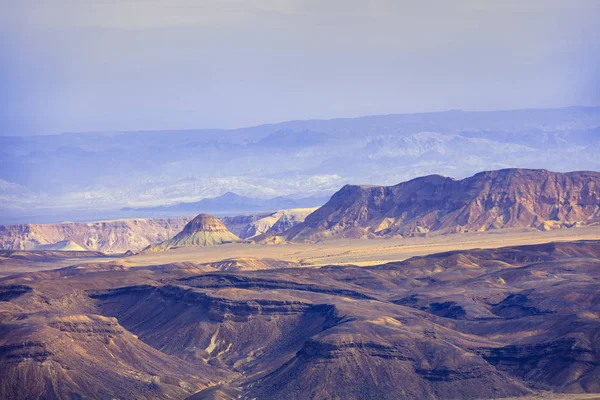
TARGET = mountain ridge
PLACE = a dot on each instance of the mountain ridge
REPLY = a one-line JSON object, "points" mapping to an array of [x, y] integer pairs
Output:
{"points": [[508, 198]]}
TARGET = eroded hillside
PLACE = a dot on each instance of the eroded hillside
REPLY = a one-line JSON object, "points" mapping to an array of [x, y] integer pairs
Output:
{"points": [[470, 324]]}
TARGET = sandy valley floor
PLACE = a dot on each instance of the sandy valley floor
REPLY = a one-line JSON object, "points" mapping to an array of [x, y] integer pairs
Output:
{"points": [[365, 252], [358, 252]]}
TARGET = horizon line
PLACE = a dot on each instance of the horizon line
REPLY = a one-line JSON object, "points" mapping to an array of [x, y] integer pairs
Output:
{"points": [[305, 120]]}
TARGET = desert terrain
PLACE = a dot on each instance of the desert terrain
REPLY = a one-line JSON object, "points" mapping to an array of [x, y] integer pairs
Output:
{"points": [[495, 322], [365, 252], [360, 252], [482, 288], [300, 200]]}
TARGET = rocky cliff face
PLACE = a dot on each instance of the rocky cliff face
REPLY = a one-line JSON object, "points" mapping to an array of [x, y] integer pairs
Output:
{"points": [[107, 236], [252, 225], [511, 198]]}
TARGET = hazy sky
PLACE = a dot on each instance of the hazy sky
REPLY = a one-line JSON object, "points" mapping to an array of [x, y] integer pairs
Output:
{"points": [[86, 65]]}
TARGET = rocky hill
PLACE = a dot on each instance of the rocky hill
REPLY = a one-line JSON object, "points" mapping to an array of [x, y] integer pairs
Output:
{"points": [[509, 198], [203, 230], [106, 236]]}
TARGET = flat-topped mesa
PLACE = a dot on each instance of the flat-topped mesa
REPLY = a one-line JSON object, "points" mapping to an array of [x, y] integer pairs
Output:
{"points": [[508, 198], [204, 230]]}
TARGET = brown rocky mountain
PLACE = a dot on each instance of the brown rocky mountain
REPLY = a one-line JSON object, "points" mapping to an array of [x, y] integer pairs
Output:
{"points": [[474, 324], [510, 198], [203, 230], [106, 236]]}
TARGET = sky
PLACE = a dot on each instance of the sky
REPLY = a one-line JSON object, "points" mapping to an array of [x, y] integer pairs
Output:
{"points": [[112, 65]]}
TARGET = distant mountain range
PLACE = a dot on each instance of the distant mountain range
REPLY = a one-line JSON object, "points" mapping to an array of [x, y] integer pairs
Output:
{"points": [[91, 176], [510, 198], [106, 236], [430, 205], [119, 236], [234, 203]]}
